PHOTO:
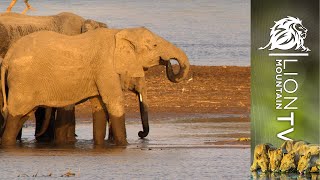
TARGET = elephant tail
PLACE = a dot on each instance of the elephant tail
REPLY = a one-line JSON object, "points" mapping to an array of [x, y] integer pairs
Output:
{"points": [[4, 94]]}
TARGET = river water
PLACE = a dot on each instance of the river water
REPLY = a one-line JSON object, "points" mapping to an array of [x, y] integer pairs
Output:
{"points": [[176, 148], [211, 32]]}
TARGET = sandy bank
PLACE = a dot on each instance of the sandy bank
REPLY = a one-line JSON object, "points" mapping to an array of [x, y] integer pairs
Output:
{"points": [[208, 89]]}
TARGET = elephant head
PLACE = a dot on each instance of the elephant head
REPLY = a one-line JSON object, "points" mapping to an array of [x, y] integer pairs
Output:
{"points": [[138, 49], [90, 24]]}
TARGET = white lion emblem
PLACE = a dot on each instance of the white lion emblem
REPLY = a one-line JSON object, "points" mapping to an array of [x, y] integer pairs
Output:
{"points": [[287, 33]]}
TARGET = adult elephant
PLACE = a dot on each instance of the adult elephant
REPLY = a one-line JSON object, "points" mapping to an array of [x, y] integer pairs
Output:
{"points": [[74, 68], [14, 26]]}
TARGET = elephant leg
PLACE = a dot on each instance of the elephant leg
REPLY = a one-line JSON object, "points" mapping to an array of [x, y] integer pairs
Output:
{"points": [[13, 126], [13, 2], [118, 129], [61, 127], [112, 96], [71, 123], [41, 115], [99, 120]]}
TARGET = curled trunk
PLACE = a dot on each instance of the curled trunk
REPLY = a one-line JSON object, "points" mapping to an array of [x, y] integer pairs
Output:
{"points": [[184, 65], [144, 116]]}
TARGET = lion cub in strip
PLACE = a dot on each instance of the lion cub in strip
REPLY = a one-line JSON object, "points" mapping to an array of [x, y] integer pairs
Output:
{"points": [[310, 161], [290, 160], [260, 157], [276, 155]]}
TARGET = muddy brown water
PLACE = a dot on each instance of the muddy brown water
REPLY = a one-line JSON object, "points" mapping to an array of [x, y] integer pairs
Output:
{"points": [[176, 148]]}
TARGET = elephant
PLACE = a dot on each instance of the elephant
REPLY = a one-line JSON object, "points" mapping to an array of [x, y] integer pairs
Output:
{"points": [[135, 85], [75, 68], [13, 26]]}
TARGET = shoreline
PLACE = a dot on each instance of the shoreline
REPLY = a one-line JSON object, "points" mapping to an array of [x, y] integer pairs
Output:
{"points": [[207, 89]]}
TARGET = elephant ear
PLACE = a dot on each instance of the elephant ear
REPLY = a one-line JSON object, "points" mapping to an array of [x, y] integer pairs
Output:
{"points": [[126, 53]]}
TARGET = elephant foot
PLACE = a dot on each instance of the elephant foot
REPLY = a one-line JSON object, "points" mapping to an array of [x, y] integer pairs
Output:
{"points": [[71, 139], [110, 139], [11, 131], [71, 133], [59, 142], [61, 135], [99, 126], [119, 130], [8, 141], [44, 139]]}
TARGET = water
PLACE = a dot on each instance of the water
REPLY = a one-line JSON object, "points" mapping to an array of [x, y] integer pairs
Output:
{"points": [[211, 32], [132, 164], [174, 149]]}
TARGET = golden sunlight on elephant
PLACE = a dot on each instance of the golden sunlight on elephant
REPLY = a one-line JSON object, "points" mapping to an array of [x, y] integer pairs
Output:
{"points": [[75, 68]]}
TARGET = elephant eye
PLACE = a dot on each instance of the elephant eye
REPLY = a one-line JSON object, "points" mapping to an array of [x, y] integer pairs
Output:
{"points": [[155, 45]]}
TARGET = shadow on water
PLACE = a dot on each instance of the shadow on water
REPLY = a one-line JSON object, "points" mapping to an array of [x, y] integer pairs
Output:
{"points": [[26, 147], [284, 176], [188, 131]]}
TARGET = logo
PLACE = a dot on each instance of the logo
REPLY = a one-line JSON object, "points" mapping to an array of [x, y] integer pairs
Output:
{"points": [[287, 33]]}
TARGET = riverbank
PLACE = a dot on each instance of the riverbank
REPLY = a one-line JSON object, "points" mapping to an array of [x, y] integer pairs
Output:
{"points": [[208, 89]]}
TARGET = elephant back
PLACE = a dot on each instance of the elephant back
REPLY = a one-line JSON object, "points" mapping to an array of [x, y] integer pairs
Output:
{"points": [[4, 43], [13, 27], [68, 23]]}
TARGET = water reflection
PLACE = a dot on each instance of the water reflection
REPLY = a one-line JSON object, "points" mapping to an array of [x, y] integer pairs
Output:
{"points": [[284, 176]]}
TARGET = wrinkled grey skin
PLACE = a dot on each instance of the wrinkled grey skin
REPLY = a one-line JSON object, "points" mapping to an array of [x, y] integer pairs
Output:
{"points": [[13, 26], [95, 68]]}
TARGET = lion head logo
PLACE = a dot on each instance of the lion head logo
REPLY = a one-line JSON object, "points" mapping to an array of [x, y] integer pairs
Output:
{"points": [[286, 34]]}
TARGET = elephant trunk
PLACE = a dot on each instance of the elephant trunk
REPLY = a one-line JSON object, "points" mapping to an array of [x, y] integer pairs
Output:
{"points": [[184, 65], [144, 116], [145, 126], [45, 121]]}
